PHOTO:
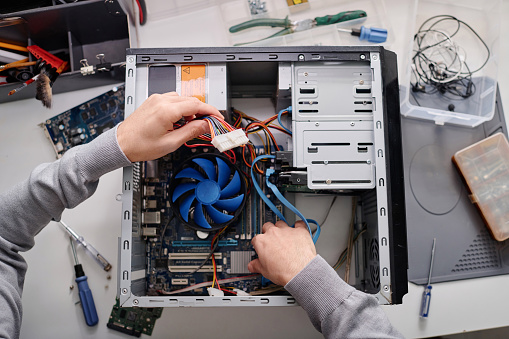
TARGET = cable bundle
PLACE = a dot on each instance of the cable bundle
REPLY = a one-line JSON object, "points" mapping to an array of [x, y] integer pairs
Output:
{"points": [[224, 136], [439, 63]]}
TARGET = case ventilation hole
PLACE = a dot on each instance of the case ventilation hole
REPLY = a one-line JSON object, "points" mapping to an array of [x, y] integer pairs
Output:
{"points": [[480, 255]]}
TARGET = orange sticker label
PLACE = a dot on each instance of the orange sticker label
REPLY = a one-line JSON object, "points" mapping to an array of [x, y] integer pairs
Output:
{"points": [[193, 81]]}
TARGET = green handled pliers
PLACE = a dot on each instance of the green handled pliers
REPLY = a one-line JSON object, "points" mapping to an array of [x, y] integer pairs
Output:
{"points": [[290, 26]]}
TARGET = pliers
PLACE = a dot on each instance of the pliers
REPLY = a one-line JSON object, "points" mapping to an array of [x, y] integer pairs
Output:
{"points": [[296, 26]]}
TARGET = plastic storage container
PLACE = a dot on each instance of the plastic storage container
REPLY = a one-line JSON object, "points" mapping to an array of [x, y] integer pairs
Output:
{"points": [[220, 15], [484, 18], [484, 167]]}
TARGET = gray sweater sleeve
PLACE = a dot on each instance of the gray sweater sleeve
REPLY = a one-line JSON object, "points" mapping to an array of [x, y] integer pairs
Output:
{"points": [[30, 205], [335, 308]]}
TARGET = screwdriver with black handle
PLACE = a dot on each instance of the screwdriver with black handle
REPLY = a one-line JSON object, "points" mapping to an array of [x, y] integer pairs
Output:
{"points": [[86, 298]]}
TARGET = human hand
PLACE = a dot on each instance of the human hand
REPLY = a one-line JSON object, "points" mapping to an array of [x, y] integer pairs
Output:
{"points": [[148, 133], [282, 251]]}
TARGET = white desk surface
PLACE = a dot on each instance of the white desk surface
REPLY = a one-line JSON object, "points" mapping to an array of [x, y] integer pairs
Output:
{"points": [[49, 304]]}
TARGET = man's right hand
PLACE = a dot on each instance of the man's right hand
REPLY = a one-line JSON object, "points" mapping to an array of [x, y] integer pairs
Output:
{"points": [[282, 251], [148, 133]]}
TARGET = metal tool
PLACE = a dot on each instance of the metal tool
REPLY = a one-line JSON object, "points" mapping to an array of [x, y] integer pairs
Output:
{"points": [[86, 298], [372, 34], [89, 248], [296, 26], [426, 295]]}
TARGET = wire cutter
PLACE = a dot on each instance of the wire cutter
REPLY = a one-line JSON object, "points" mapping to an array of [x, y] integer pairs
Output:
{"points": [[290, 26]]}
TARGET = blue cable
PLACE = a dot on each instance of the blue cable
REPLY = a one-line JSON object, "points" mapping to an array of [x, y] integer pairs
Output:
{"points": [[281, 198], [289, 109]]}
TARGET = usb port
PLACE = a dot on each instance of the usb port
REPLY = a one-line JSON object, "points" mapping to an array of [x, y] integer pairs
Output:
{"points": [[307, 91], [363, 90]]}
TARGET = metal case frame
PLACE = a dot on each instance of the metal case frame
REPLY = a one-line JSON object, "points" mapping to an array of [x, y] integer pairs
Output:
{"points": [[387, 205]]}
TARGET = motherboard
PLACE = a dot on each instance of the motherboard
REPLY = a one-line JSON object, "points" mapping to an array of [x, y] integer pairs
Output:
{"points": [[179, 256]]}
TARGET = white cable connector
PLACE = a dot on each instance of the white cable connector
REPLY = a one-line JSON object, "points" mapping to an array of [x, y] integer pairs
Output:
{"points": [[214, 292], [224, 142], [241, 292]]}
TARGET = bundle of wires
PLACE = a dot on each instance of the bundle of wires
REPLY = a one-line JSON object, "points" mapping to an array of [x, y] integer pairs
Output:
{"points": [[224, 136], [439, 62]]}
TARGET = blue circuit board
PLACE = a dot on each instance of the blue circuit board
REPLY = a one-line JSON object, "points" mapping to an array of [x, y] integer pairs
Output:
{"points": [[182, 247], [83, 123]]}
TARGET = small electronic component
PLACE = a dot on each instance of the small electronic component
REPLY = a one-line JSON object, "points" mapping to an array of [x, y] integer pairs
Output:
{"points": [[133, 321], [83, 123]]}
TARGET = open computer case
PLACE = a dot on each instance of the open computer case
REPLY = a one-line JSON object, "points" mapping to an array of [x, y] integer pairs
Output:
{"points": [[340, 110]]}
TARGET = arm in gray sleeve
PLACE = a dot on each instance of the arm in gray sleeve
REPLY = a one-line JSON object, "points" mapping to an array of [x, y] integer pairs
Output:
{"points": [[335, 308], [30, 205]]}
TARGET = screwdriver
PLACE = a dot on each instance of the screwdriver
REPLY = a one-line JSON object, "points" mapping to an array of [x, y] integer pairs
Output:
{"points": [[89, 248], [86, 298], [426, 295], [373, 34]]}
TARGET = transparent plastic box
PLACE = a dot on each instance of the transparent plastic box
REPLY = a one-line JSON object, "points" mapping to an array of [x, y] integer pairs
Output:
{"points": [[484, 167], [222, 14], [484, 17]]}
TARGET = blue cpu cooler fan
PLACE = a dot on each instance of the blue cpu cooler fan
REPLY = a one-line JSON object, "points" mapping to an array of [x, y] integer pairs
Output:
{"points": [[207, 192]]}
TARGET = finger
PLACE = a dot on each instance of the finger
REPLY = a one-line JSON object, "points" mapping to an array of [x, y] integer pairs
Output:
{"points": [[178, 137], [254, 240], [301, 224], [254, 266], [281, 224], [173, 94], [192, 106], [267, 226]]}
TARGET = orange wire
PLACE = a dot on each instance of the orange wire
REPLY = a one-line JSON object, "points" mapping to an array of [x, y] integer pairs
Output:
{"points": [[268, 132]]}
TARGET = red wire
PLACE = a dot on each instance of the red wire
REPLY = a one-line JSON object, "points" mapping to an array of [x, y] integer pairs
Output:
{"points": [[141, 12]]}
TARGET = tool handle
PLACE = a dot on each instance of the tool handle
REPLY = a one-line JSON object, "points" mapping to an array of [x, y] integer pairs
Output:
{"points": [[261, 22], [87, 301], [340, 17], [372, 34], [95, 254], [426, 299]]}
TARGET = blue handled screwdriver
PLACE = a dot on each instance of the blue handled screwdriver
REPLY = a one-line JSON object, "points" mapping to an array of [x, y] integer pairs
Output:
{"points": [[373, 34], [86, 298], [426, 295]]}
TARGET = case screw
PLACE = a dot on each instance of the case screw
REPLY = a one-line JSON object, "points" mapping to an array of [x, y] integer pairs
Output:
{"points": [[135, 302], [131, 59], [374, 57], [386, 288], [368, 161], [301, 56], [362, 57], [124, 291], [310, 102], [352, 123], [328, 181], [361, 82], [325, 162], [317, 124], [306, 74]]}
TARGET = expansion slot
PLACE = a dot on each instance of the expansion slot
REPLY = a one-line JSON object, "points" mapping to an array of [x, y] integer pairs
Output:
{"points": [[193, 256], [248, 224], [202, 243], [190, 268]]}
